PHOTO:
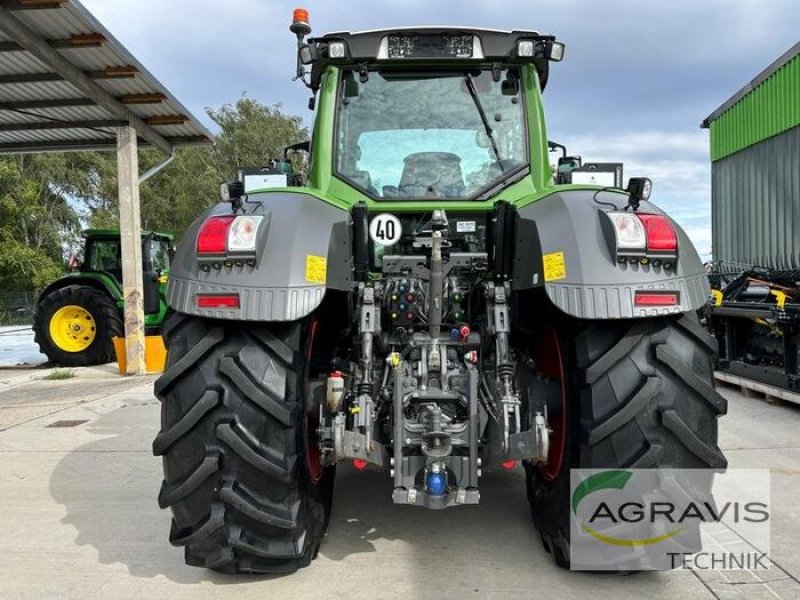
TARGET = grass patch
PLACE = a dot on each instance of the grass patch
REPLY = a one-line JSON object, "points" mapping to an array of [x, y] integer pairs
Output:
{"points": [[58, 374]]}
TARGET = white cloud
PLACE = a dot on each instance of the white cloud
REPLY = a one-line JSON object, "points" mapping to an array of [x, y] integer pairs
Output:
{"points": [[677, 163]]}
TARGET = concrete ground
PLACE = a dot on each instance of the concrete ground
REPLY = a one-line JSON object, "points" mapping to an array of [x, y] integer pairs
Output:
{"points": [[79, 518]]}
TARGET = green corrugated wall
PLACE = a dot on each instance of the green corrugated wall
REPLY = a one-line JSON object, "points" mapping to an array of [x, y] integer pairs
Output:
{"points": [[769, 109]]}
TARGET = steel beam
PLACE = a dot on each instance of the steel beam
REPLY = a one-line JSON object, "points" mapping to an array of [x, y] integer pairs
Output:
{"points": [[54, 103], [108, 143], [45, 125], [72, 102], [125, 72], [86, 123], [86, 40], [28, 39]]}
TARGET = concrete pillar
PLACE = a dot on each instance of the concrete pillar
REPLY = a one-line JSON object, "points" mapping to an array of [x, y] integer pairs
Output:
{"points": [[130, 224]]}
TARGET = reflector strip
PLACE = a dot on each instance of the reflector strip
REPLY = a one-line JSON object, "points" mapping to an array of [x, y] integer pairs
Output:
{"points": [[656, 299], [218, 301]]}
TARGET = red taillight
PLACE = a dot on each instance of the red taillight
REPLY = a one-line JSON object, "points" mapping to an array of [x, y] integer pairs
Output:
{"points": [[656, 299], [359, 464], [508, 465], [217, 301], [213, 235], [660, 233]]}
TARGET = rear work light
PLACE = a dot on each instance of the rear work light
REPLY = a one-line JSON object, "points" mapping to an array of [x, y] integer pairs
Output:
{"points": [[640, 235], [217, 300], [656, 299], [229, 234]]}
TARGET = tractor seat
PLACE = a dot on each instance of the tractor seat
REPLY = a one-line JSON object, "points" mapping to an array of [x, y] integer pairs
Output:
{"points": [[431, 175]]}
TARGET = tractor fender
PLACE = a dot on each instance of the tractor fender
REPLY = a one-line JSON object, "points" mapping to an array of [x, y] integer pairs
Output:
{"points": [[303, 248], [572, 256], [99, 281]]}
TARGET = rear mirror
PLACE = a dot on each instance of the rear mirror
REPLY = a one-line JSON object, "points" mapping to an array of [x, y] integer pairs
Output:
{"points": [[349, 85], [567, 164], [308, 54], [510, 86]]}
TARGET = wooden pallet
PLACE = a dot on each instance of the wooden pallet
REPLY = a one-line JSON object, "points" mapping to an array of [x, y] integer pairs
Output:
{"points": [[755, 389]]}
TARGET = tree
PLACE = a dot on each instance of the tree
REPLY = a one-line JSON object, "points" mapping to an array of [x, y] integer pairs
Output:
{"points": [[46, 199], [38, 220], [250, 133]]}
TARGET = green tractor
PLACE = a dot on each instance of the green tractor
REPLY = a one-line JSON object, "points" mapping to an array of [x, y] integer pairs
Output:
{"points": [[427, 302], [78, 315]]}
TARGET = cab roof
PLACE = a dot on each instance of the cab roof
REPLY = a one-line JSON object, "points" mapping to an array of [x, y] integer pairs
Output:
{"points": [[448, 45]]}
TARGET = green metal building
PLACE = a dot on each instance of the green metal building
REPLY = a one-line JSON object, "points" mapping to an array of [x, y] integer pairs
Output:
{"points": [[755, 183]]}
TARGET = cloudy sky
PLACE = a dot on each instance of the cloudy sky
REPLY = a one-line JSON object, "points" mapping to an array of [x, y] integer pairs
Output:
{"points": [[638, 77]]}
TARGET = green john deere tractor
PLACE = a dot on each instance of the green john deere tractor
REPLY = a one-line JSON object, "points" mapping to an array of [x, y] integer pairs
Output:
{"points": [[428, 302], [78, 315]]}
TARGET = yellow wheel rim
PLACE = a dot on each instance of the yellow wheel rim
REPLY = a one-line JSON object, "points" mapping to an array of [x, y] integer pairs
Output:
{"points": [[72, 328]]}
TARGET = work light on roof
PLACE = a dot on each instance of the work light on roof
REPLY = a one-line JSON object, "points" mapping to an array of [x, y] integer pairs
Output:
{"points": [[526, 48], [336, 50], [555, 51]]}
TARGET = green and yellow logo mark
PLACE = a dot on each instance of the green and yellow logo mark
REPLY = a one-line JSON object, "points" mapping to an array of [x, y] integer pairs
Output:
{"points": [[610, 480]]}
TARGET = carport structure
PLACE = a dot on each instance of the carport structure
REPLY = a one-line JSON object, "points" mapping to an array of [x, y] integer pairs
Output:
{"points": [[67, 84]]}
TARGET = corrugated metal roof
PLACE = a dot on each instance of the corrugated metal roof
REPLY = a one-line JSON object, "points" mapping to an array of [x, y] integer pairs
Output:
{"points": [[43, 100], [768, 108], [753, 84]]}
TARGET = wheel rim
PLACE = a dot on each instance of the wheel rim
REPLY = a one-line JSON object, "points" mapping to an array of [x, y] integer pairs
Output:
{"points": [[311, 421], [549, 363], [72, 328]]}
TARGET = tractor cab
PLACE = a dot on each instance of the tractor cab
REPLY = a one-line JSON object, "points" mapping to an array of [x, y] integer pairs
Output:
{"points": [[103, 254]]}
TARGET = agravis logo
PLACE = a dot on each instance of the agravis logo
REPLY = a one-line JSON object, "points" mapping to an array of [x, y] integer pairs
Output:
{"points": [[605, 481], [643, 519]]}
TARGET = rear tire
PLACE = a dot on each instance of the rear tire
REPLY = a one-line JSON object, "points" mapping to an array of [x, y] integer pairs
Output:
{"points": [[639, 394], [104, 322], [233, 446]]}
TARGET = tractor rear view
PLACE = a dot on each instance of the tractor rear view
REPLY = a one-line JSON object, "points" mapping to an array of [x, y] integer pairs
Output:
{"points": [[427, 303]]}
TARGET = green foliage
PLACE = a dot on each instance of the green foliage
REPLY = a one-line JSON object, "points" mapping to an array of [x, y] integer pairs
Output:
{"points": [[26, 268], [249, 134], [45, 199], [37, 222]]}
